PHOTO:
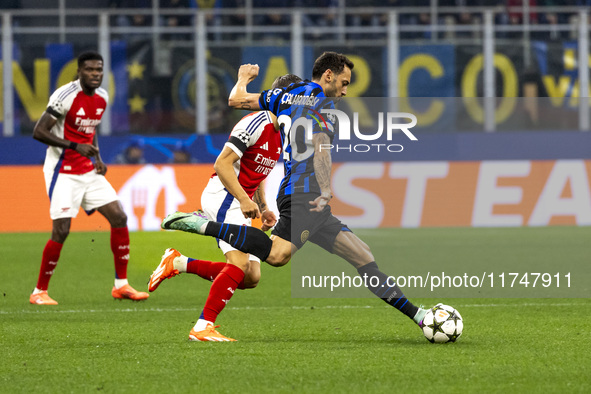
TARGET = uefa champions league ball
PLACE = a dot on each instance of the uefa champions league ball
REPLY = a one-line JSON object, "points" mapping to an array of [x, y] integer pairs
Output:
{"points": [[442, 324]]}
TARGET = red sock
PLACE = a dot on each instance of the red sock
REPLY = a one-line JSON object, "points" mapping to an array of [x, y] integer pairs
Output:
{"points": [[208, 269], [120, 249], [51, 254], [221, 291]]}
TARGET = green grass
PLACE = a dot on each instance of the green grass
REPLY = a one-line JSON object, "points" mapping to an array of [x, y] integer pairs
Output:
{"points": [[90, 342]]}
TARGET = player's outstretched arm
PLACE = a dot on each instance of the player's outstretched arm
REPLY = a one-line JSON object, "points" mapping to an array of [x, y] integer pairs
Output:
{"points": [[322, 169], [224, 167], [42, 132], [239, 97]]}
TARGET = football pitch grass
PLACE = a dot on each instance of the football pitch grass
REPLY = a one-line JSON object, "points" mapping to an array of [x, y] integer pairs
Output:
{"points": [[90, 342]]}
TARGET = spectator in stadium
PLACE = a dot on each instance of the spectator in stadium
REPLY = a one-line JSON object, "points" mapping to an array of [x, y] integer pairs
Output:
{"points": [[515, 11], [181, 155], [133, 154], [422, 18], [211, 19], [234, 193], [303, 200], [176, 20], [363, 19], [276, 19], [133, 20], [515, 16], [327, 18], [465, 18], [552, 20], [233, 19], [68, 127]]}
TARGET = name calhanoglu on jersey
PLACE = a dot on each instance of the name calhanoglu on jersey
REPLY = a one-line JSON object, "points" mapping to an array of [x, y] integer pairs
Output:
{"points": [[299, 99]]}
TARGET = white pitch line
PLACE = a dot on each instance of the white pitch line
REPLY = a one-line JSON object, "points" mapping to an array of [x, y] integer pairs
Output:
{"points": [[47, 309]]}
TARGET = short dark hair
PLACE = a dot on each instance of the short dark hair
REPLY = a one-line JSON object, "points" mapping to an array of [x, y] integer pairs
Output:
{"points": [[285, 80], [89, 55], [333, 61]]}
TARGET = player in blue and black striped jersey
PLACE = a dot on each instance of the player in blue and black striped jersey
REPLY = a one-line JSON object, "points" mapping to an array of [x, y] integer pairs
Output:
{"points": [[305, 189], [304, 212], [303, 100]]}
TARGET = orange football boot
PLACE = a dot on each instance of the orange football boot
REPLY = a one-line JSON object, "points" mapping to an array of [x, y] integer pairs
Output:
{"points": [[128, 292], [209, 335], [164, 270], [42, 299]]}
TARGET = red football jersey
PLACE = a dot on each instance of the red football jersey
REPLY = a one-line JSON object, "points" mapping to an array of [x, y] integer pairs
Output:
{"points": [[258, 144], [77, 116]]}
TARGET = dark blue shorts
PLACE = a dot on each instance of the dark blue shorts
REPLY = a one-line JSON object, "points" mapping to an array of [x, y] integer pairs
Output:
{"points": [[298, 225]]}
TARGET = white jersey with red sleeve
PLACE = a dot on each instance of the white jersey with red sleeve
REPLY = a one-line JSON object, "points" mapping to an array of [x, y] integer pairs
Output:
{"points": [[258, 144], [78, 115]]}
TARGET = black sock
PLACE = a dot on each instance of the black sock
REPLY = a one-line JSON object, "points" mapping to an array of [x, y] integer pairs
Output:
{"points": [[244, 238], [385, 288]]}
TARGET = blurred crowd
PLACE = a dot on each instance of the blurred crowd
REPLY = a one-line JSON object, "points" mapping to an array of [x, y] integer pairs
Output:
{"points": [[134, 153], [328, 14]]}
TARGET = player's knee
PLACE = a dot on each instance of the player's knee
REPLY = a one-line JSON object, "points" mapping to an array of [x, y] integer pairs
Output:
{"points": [[278, 259], [60, 233], [252, 281], [119, 220], [280, 253], [250, 285], [255, 277]]}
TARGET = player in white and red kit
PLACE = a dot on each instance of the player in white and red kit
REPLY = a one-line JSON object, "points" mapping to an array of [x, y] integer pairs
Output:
{"points": [[68, 126], [234, 195]]}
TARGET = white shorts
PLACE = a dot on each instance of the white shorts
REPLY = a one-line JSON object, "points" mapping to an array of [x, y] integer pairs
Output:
{"points": [[67, 193], [221, 206]]}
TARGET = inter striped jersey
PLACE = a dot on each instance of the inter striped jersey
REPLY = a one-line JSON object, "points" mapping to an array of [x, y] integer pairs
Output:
{"points": [[300, 100]]}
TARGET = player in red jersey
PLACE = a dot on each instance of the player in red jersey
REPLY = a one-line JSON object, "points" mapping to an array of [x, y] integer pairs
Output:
{"points": [[68, 127], [248, 157]]}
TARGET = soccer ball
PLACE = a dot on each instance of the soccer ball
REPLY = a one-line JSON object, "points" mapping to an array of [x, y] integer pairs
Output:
{"points": [[442, 324]]}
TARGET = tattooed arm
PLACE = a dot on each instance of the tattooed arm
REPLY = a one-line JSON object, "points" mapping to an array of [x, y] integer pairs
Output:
{"points": [[267, 216], [239, 97], [259, 198], [322, 169]]}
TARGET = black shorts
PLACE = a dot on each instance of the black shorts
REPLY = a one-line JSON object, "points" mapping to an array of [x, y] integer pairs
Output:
{"points": [[320, 228]]}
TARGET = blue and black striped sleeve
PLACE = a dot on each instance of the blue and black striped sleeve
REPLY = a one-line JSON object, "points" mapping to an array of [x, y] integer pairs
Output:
{"points": [[269, 100]]}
